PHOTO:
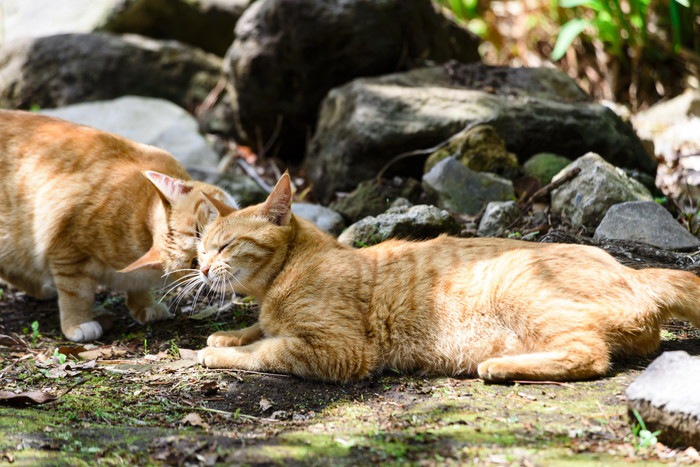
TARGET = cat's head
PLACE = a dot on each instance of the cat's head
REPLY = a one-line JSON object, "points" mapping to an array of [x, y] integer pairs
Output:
{"points": [[242, 250], [187, 212]]}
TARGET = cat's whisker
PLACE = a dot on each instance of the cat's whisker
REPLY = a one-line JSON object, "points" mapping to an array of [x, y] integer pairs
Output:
{"points": [[182, 282]]}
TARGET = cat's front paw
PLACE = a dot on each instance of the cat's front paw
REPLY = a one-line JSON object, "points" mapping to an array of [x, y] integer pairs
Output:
{"points": [[208, 357], [84, 332], [495, 370], [228, 339], [155, 312]]}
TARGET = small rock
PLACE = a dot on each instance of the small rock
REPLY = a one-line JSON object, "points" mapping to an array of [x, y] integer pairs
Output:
{"points": [[463, 190], [147, 120], [497, 217], [544, 166], [584, 200], [646, 222], [667, 399], [481, 149], [371, 198], [418, 222], [326, 219]]}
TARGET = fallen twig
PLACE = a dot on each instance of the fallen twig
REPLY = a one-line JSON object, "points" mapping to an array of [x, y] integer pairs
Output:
{"points": [[250, 171], [551, 383], [548, 188]]}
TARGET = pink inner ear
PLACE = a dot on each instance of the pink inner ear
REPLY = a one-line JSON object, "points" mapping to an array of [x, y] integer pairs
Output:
{"points": [[171, 188]]}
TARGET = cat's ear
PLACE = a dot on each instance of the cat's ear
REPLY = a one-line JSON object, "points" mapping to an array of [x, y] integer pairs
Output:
{"points": [[278, 206], [218, 207], [171, 189], [150, 260]]}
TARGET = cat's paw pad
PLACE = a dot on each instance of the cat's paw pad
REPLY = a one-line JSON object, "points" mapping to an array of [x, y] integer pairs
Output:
{"points": [[495, 370], [155, 312], [85, 332], [225, 339]]}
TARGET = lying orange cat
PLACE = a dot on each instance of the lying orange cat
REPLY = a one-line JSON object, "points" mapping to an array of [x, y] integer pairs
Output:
{"points": [[503, 309], [76, 209]]}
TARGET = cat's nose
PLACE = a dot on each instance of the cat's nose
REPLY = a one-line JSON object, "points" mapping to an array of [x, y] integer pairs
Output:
{"points": [[205, 271]]}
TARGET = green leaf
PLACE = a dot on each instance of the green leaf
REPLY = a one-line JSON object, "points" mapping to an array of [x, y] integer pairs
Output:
{"points": [[574, 3], [567, 34], [685, 3]]}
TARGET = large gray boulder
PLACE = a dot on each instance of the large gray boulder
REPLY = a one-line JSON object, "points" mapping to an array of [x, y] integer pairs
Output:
{"points": [[147, 120], [367, 122], [289, 53], [70, 68], [667, 398], [584, 200], [208, 24], [647, 222]]}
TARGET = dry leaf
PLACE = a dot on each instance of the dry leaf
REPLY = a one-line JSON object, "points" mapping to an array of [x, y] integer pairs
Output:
{"points": [[26, 398], [265, 404], [104, 353], [194, 419], [9, 341]]}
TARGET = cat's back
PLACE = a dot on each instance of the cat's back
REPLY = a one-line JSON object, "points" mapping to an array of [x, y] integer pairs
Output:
{"points": [[40, 143]]}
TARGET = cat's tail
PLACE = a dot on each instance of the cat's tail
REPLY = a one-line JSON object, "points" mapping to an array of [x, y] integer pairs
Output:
{"points": [[676, 293]]}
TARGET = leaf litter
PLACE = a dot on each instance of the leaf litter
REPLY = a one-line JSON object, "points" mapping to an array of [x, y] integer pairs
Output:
{"points": [[140, 395]]}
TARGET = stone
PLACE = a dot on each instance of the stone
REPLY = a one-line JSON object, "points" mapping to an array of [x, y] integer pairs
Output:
{"points": [[666, 397], [498, 216], [646, 222], [150, 121], [544, 166], [584, 200], [239, 185], [207, 24], [66, 69], [419, 222], [324, 218], [421, 108], [481, 149], [460, 189], [289, 53], [372, 198]]}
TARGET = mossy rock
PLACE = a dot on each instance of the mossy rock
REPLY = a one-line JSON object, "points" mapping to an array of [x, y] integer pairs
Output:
{"points": [[372, 198], [544, 166], [481, 149]]}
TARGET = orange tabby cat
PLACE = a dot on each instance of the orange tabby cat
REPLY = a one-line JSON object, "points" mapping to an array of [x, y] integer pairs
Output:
{"points": [[504, 309], [76, 209]]}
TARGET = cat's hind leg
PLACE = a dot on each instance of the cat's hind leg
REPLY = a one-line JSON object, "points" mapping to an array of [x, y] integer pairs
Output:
{"points": [[235, 338], [572, 360], [144, 309]]}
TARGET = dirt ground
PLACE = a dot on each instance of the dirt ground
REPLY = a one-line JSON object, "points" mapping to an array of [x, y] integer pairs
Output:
{"points": [[138, 397]]}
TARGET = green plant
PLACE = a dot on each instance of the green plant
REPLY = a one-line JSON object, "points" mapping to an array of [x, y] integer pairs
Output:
{"points": [[145, 346], [612, 25], [59, 356], [468, 12], [174, 350], [34, 331], [643, 439]]}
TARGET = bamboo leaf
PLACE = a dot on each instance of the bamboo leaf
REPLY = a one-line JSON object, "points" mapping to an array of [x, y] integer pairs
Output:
{"points": [[567, 34]]}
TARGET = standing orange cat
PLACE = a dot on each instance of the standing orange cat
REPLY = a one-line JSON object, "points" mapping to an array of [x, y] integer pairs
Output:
{"points": [[81, 207], [503, 309]]}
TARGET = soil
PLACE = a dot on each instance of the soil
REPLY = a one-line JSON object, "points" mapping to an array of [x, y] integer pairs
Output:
{"points": [[145, 401]]}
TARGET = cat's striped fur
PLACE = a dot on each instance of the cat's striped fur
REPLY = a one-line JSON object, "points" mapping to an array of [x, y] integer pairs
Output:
{"points": [[78, 205], [502, 309]]}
